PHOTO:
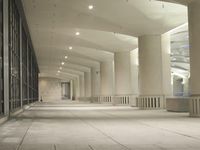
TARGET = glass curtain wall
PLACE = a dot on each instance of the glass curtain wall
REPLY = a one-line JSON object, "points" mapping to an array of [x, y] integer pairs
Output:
{"points": [[14, 56], [1, 58], [24, 68], [29, 62]]}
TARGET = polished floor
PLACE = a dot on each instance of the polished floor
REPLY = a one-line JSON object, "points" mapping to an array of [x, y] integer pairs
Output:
{"points": [[75, 126]]}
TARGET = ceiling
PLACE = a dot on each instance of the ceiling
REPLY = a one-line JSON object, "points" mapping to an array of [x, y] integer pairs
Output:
{"points": [[112, 26]]}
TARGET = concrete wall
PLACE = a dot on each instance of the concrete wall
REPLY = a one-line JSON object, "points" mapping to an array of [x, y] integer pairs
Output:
{"points": [[50, 88]]}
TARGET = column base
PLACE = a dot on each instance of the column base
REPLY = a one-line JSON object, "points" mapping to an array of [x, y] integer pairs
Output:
{"points": [[194, 107], [151, 102]]}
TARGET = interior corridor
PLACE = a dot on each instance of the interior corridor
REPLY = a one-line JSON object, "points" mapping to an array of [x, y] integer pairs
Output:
{"points": [[75, 126], [99, 75]]}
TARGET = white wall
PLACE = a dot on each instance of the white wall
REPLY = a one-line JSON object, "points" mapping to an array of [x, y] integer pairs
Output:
{"points": [[50, 88]]}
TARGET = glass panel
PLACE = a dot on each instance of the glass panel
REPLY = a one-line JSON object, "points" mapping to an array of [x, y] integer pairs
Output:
{"points": [[1, 58], [14, 56], [24, 68]]}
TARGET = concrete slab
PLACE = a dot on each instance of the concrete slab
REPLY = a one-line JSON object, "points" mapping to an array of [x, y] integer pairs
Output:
{"points": [[75, 126]]}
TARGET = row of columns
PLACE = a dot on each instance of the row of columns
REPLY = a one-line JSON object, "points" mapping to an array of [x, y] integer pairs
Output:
{"points": [[154, 69], [119, 77], [154, 65], [83, 85]]}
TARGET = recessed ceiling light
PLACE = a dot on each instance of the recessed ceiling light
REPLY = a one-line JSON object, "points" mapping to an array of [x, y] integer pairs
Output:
{"points": [[60, 68], [58, 71], [70, 47], [90, 7], [66, 57], [77, 33], [62, 63]]}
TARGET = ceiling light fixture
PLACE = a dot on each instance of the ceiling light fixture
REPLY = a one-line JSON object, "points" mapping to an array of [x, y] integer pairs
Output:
{"points": [[66, 57], [58, 71], [70, 47], [90, 7], [62, 63], [77, 33], [60, 68]]}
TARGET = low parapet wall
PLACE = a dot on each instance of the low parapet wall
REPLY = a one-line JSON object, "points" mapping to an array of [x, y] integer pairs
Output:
{"points": [[129, 100], [177, 104]]}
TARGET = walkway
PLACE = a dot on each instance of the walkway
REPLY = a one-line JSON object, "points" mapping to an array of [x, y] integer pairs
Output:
{"points": [[55, 126]]}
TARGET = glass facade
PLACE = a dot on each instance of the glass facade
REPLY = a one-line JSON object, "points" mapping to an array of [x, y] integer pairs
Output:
{"points": [[1, 57], [33, 76], [23, 68], [14, 56]]}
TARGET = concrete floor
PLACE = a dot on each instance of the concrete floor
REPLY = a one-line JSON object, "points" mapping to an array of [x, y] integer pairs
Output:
{"points": [[56, 126]]}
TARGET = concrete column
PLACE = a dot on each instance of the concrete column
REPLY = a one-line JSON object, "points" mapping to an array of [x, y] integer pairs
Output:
{"points": [[194, 36], [122, 73], [76, 88], [95, 81], [134, 71], [107, 78], [178, 86], [82, 86], [6, 57], [71, 89], [88, 84], [154, 65]]}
